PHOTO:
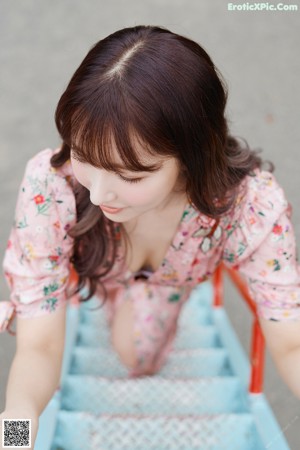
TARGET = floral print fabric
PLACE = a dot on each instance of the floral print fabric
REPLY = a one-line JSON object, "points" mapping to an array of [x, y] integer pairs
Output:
{"points": [[36, 264], [256, 237]]}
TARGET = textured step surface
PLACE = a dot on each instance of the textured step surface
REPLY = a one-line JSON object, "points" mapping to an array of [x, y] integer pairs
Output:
{"points": [[153, 395], [181, 363], [187, 338], [220, 432], [190, 316]]}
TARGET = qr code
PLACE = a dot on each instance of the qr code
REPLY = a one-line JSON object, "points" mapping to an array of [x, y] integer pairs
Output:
{"points": [[16, 433]]}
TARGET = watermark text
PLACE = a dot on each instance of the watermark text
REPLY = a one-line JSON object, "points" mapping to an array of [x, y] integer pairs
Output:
{"points": [[261, 7]]}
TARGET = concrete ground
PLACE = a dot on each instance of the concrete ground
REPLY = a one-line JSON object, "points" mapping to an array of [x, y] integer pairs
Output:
{"points": [[257, 52]]}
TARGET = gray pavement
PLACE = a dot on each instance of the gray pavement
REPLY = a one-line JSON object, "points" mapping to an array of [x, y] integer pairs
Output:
{"points": [[257, 52]]}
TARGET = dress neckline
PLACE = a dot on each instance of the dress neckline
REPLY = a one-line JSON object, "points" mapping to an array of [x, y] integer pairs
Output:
{"points": [[150, 273]]}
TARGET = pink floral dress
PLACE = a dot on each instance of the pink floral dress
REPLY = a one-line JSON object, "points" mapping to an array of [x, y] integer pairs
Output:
{"points": [[256, 237]]}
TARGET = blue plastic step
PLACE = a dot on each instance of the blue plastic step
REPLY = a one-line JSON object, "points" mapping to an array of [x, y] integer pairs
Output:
{"points": [[194, 337], [78, 430], [190, 315], [154, 395], [180, 363]]}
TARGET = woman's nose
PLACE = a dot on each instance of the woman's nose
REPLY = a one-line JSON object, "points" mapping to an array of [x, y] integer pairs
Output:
{"points": [[99, 197], [101, 187], [110, 197]]}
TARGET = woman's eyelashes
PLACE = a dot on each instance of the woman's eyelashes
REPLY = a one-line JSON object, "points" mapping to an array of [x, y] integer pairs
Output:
{"points": [[129, 180]]}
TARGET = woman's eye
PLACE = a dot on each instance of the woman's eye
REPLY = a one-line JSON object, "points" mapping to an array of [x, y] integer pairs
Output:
{"points": [[130, 180]]}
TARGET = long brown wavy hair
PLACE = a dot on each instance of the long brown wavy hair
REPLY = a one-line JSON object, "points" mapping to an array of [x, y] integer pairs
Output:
{"points": [[164, 89]]}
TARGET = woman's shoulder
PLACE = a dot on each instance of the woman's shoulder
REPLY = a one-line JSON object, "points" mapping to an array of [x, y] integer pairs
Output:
{"points": [[260, 193], [262, 180], [259, 197], [260, 205], [46, 194], [41, 180], [40, 166]]}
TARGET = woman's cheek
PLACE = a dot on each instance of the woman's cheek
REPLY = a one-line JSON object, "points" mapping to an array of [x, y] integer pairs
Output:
{"points": [[139, 194], [135, 196], [79, 173]]}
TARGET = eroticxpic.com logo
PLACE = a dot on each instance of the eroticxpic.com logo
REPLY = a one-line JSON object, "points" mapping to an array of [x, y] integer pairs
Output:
{"points": [[281, 7]]}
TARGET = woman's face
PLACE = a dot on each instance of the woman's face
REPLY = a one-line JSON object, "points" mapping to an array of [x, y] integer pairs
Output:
{"points": [[135, 193]]}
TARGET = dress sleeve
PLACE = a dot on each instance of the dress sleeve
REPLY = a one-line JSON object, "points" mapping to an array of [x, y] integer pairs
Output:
{"points": [[260, 244], [36, 261]]}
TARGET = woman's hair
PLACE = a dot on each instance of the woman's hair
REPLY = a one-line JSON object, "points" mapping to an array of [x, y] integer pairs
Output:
{"points": [[164, 90]]}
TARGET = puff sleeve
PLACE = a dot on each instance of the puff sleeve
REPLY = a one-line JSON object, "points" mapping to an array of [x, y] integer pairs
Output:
{"points": [[36, 261], [261, 245]]}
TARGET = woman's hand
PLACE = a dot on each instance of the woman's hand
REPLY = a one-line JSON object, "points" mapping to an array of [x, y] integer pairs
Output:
{"points": [[20, 414]]}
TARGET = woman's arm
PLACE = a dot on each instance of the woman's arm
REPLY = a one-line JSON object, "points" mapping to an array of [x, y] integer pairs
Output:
{"points": [[36, 368], [283, 341]]}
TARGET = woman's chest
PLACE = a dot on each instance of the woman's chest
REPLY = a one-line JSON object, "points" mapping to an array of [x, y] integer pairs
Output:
{"points": [[148, 247], [150, 237], [180, 250]]}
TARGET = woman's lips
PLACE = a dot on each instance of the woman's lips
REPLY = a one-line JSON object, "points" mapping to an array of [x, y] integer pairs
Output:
{"points": [[111, 210]]}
